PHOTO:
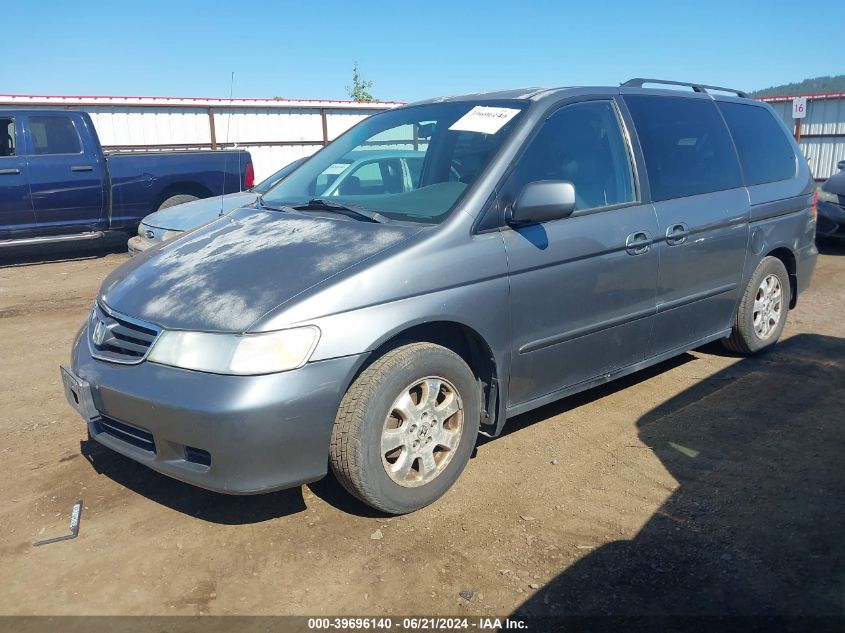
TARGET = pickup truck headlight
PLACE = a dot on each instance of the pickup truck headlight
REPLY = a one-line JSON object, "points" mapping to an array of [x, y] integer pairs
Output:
{"points": [[236, 354], [827, 196]]}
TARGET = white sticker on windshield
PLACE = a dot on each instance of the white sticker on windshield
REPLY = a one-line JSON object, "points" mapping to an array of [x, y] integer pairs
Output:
{"points": [[484, 119]]}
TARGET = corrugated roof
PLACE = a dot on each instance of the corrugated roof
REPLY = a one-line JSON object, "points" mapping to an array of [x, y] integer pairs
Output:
{"points": [[192, 102], [817, 95]]}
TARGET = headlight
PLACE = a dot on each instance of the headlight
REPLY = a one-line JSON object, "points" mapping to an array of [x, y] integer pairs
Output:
{"points": [[169, 235], [828, 196], [243, 355]]}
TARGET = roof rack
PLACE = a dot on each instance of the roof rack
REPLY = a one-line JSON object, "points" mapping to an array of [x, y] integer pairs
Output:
{"points": [[639, 81]]}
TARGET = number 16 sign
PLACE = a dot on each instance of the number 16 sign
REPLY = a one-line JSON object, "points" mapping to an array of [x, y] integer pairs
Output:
{"points": [[799, 107]]}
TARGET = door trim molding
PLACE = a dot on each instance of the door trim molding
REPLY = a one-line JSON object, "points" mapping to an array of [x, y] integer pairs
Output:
{"points": [[698, 296], [586, 330]]}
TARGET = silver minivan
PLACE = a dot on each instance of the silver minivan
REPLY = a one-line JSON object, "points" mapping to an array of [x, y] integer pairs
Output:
{"points": [[548, 240]]}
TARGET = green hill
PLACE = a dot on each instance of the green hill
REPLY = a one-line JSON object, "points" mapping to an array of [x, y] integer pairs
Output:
{"points": [[808, 86]]}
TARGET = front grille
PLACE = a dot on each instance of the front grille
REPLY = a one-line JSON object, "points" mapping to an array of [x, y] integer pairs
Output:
{"points": [[134, 435], [119, 339]]}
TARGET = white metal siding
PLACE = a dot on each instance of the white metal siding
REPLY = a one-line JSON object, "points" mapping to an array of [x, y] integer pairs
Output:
{"points": [[275, 132], [826, 118]]}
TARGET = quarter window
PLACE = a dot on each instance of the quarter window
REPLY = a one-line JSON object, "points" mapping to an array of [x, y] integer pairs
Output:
{"points": [[686, 145], [54, 135], [764, 151], [583, 144]]}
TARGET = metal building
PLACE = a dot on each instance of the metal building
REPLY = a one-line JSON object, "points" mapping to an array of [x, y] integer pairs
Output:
{"points": [[275, 131], [821, 134]]}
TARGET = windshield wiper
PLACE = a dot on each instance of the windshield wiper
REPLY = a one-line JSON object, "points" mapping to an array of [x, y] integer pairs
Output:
{"points": [[319, 204]]}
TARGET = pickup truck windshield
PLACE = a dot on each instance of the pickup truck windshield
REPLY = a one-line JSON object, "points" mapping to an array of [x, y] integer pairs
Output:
{"points": [[410, 164]]}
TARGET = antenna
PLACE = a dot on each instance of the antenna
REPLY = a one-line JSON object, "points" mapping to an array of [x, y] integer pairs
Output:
{"points": [[226, 142]]}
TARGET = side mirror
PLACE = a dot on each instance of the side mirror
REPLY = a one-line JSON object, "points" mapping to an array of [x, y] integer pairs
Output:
{"points": [[542, 201], [840, 164]]}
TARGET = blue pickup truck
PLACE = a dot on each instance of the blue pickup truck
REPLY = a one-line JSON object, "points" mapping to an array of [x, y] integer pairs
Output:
{"points": [[57, 184]]}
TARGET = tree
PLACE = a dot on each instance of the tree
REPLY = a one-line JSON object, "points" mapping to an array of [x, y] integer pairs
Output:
{"points": [[360, 88], [806, 86]]}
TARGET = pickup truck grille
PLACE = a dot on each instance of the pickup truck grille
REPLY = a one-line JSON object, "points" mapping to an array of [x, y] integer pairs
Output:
{"points": [[119, 339]]}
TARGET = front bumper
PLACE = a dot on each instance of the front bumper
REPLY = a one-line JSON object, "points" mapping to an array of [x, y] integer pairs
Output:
{"points": [[138, 244], [230, 434], [831, 220]]}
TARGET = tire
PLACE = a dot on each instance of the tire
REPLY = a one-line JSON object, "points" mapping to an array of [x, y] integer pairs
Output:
{"points": [[753, 331], [172, 201], [368, 412]]}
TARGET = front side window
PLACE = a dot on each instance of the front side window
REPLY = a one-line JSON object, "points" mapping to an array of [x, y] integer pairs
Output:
{"points": [[7, 137], [408, 164], [764, 151], [582, 144], [54, 135], [686, 145]]}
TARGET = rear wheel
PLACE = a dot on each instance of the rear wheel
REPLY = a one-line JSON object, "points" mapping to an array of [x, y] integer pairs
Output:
{"points": [[761, 316], [172, 201], [406, 427]]}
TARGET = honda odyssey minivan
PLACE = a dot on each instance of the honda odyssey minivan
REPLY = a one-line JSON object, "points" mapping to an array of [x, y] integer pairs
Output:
{"points": [[549, 240]]}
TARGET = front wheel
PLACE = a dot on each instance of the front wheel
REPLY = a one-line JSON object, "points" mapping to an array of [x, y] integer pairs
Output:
{"points": [[761, 316], [406, 428]]}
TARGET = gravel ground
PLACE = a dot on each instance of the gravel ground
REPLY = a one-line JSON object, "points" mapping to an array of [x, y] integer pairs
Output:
{"points": [[708, 484]]}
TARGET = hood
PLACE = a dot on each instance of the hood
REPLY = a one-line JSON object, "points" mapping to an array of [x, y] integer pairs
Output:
{"points": [[225, 275], [184, 217]]}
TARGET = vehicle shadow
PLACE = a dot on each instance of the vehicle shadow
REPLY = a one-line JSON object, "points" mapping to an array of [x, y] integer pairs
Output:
{"points": [[830, 246], [329, 490], [19, 256], [202, 504], [756, 524]]}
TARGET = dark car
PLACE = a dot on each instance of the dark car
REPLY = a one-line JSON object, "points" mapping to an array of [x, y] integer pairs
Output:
{"points": [[549, 241], [831, 206]]}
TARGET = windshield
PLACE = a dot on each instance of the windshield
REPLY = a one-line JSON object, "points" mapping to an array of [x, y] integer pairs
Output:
{"points": [[265, 185], [407, 164]]}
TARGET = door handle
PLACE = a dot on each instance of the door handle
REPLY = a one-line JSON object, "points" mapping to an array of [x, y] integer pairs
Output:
{"points": [[677, 234], [82, 168], [10, 172], [638, 243]]}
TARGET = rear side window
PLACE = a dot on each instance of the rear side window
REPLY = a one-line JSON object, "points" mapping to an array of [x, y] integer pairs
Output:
{"points": [[54, 135], [764, 152], [7, 137], [687, 148]]}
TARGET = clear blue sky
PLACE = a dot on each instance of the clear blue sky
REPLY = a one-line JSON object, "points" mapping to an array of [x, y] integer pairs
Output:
{"points": [[411, 50]]}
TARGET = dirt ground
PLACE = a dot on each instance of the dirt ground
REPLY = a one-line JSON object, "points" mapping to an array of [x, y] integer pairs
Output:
{"points": [[708, 484]]}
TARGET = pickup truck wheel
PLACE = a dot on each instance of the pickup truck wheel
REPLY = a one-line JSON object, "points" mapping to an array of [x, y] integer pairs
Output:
{"points": [[172, 201], [406, 428], [761, 316]]}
